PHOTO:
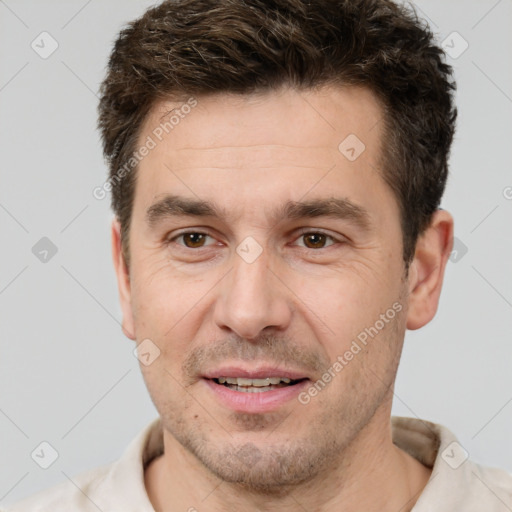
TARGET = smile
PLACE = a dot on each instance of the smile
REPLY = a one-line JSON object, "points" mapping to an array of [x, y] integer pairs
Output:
{"points": [[255, 385]]}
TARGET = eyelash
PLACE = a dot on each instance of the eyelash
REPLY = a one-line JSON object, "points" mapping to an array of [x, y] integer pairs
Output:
{"points": [[306, 231]]}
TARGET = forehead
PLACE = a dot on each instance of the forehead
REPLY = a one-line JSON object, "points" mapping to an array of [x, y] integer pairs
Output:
{"points": [[263, 145], [314, 119]]}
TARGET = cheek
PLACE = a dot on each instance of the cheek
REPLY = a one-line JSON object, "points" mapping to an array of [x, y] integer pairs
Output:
{"points": [[342, 305], [169, 309], [161, 296]]}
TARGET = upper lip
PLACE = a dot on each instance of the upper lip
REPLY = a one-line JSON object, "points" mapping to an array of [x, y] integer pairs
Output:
{"points": [[257, 373]]}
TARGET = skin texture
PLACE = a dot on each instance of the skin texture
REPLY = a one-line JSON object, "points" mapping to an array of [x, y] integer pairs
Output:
{"points": [[298, 306]]}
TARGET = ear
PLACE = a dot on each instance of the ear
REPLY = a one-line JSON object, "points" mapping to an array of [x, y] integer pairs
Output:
{"points": [[426, 274], [123, 280]]}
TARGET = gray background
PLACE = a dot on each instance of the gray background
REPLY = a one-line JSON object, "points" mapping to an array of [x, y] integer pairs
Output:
{"points": [[67, 373]]}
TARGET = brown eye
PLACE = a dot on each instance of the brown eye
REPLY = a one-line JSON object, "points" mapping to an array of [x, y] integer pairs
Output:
{"points": [[193, 240], [315, 240]]}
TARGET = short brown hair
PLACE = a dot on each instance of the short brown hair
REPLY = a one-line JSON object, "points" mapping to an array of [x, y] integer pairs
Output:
{"points": [[197, 47]]}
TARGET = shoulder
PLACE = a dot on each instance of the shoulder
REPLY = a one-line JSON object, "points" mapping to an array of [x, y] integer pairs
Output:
{"points": [[480, 487], [457, 482], [76, 493], [497, 481], [115, 486]]}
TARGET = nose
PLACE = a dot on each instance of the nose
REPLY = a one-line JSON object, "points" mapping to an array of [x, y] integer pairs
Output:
{"points": [[252, 298]]}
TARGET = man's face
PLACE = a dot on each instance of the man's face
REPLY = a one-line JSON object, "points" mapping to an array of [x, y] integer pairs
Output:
{"points": [[267, 288]]}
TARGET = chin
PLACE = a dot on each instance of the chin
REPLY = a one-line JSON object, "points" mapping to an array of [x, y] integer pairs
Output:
{"points": [[264, 469]]}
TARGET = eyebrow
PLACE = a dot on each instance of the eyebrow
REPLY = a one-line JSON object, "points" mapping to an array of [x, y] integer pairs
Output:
{"points": [[338, 208]]}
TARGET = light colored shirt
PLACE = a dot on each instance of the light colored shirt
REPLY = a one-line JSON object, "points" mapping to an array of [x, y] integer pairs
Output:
{"points": [[456, 483]]}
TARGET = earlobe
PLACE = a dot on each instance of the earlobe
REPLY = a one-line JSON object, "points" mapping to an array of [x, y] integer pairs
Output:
{"points": [[123, 280], [427, 270]]}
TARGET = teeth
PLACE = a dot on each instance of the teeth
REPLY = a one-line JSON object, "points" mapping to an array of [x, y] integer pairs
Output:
{"points": [[257, 383], [244, 389]]}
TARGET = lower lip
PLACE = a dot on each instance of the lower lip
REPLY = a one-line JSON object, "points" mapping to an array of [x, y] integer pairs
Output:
{"points": [[263, 401]]}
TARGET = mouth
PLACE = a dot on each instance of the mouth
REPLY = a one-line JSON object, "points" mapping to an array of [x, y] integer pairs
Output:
{"points": [[254, 391], [244, 385]]}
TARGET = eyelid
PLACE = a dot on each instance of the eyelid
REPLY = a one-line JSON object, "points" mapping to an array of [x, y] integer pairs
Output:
{"points": [[309, 229]]}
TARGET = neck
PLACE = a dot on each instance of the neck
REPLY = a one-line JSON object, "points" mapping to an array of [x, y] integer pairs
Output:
{"points": [[370, 474]]}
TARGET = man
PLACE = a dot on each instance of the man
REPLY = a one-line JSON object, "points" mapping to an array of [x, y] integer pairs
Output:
{"points": [[276, 172]]}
